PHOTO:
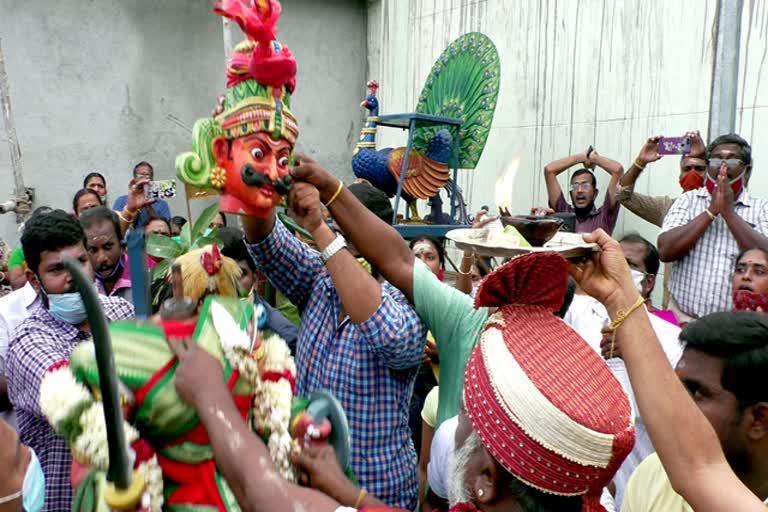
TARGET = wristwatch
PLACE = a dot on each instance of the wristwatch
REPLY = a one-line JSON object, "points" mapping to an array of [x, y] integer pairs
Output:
{"points": [[338, 244]]}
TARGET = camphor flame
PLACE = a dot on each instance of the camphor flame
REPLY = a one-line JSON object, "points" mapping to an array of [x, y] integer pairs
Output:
{"points": [[505, 182]]}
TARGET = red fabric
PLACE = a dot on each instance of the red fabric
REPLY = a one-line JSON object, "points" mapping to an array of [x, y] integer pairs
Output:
{"points": [[536, 279], [64, 363], [745, 300], [197, 483], [179, 329], [142, 392]]}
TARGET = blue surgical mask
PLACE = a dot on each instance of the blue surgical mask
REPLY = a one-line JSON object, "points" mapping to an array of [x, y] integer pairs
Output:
{"points": [[33, 488], [176, 239], [67, 308], [207, 232]]}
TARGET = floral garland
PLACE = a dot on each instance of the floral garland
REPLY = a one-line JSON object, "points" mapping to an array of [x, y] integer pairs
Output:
{"points": [[74, 414], [271, 370]]}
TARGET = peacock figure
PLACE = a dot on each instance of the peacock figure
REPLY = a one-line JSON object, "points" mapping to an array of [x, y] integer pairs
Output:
{"points": [[464, 84]]}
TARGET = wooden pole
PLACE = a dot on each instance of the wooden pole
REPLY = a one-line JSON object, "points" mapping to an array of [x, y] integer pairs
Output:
{"points": [[10, 132]]}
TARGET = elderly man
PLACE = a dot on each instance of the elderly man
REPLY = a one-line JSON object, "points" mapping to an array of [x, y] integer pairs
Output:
{"points": [[528, 366], [706, 229], [583, 190]]}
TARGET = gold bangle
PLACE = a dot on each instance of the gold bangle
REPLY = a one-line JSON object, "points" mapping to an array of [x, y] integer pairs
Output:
{"points": [[360, 498], [622, 315], [130, 218], [336, 194], [711, 215], [637, 164], [120, 214]]}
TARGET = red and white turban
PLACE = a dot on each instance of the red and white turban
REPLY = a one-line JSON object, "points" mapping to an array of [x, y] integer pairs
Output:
{"points": [[542, 402]]}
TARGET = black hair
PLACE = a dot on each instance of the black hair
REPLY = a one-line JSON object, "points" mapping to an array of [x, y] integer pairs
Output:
{"points": [[373, 199], [435, 242], [584, 170], [233, 246], [40, 210], [732, 138], [178, 220], [740, 339], [143, 164], [94, 216], [745, 251], [570, 291], [84, 192], [51, 231], [651, 257], [157, 217], [93, 175]]}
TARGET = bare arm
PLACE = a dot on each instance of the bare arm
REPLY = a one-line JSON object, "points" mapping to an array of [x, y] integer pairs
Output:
{"points": [[692, 456], [359, 292], [239, 453], [376, 240], [648, 154], [613, 168], [427, 433], [746, 236], [464, 280], [553, 169], [678, 242]]}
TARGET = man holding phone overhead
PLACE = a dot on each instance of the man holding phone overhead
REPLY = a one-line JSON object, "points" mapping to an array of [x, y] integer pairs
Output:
{"points": [[583, 190], [693, 165], [706, 228], [135, 208]]}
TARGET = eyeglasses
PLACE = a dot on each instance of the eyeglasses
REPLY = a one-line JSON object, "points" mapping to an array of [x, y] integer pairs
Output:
{"points": [[732, 163], [575, 187]]}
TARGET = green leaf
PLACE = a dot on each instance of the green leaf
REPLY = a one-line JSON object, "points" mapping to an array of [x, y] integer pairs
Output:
{"points": [[203, 221], [162, 246], [207, 240], [186, 236], [161, 269]]}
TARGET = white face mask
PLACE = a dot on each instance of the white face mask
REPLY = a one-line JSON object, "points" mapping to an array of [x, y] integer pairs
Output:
{"points": [[638, 277]]}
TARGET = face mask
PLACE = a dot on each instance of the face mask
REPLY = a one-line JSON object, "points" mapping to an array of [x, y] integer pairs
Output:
{"points": [[691, 180], [745, 300], [736, 183], [67, 308], [33, 489], [115, 271], [176, 239], [207, 232], [638, 277]]}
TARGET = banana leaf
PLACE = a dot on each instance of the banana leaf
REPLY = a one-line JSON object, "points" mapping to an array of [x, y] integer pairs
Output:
{"points": [[161, 246], [203, 221]]}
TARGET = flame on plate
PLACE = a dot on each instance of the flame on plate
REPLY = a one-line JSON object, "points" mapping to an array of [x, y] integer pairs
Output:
{"points": [[505, 181]]}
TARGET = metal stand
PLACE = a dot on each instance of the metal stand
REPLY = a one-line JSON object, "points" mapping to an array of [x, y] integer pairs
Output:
{"points": [[410, 121]]}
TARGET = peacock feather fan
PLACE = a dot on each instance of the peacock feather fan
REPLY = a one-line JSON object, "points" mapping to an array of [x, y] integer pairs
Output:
{"points": [[463, 83]]}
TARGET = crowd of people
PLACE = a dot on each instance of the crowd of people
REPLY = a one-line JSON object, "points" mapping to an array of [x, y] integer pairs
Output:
{"points": [[510, 388]]}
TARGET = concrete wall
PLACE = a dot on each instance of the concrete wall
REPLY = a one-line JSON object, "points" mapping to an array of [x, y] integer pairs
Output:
{"points": [[575, 73], [103, 85]]}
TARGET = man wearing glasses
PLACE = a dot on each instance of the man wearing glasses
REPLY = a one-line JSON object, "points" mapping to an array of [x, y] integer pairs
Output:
{"points": [[654, 208], [706, 229], [584, 190]]}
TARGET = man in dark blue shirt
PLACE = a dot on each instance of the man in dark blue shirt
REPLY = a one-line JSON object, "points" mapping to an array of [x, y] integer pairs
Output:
{"points": [[142, 174]]}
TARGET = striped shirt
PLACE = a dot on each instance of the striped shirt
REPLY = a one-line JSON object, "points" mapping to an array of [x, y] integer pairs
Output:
{"points": [[39, 342], [700, 281], [370, 367]]}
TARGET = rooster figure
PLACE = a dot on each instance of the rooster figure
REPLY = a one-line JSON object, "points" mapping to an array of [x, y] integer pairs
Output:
{"points": [[464, 84]]}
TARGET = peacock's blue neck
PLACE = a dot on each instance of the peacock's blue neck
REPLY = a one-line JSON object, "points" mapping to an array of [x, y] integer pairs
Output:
{"points": [[367, 138]]}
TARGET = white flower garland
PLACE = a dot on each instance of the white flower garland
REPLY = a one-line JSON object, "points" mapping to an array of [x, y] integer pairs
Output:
{"points": [[152, 499]]}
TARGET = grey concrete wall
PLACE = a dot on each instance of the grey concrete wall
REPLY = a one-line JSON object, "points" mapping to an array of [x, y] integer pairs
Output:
{"points": [[103, 85]]}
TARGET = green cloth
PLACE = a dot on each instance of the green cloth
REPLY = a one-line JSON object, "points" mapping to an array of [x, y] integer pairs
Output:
{"points": [[16, 259], [456, 326], [286, 307]]}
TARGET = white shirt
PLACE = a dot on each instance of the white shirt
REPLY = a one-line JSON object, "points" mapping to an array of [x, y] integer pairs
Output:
{"points": [[587, 316], [440, 456], [14, 309], [700, 281]]}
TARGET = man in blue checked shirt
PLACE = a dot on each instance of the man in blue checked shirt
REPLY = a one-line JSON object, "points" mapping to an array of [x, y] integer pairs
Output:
{"points": [[359, 338]]}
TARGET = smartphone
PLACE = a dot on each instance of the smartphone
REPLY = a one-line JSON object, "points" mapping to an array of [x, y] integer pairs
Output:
{"points": [[163, 189], [674, 145]]}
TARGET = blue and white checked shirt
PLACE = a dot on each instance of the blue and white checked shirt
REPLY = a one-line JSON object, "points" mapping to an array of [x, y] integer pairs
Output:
{"points": [[370, 367], [700, 281], [39, 342]]}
